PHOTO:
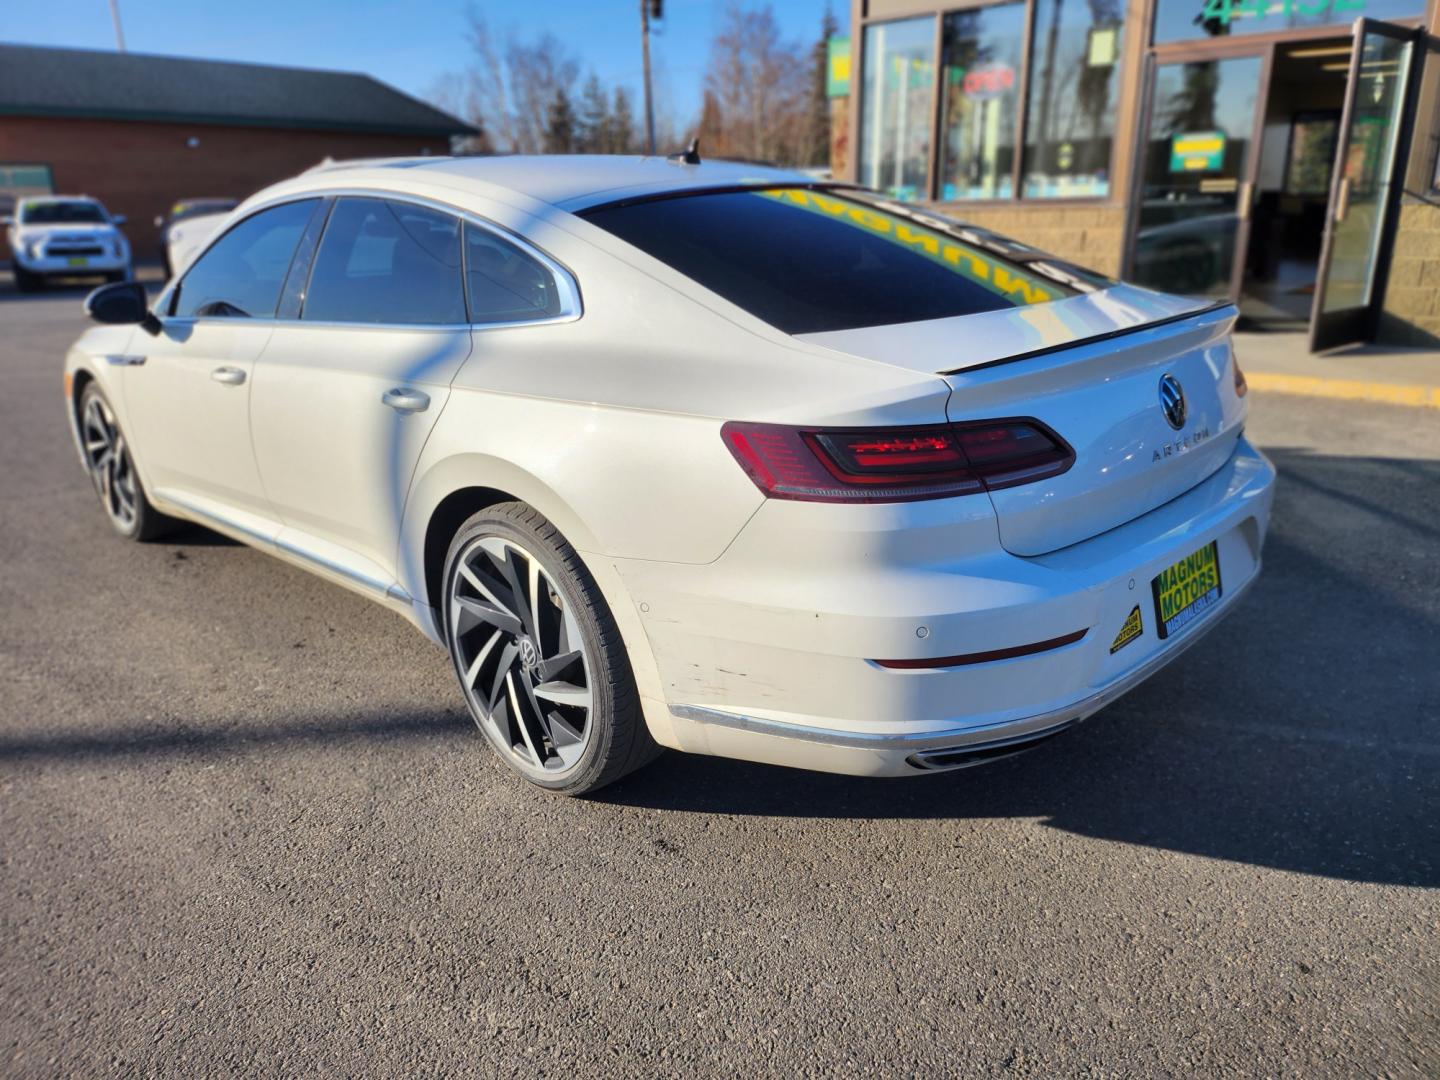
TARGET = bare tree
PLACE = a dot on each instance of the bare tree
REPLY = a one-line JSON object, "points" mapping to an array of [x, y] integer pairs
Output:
{"points": [[512, 86], [757, 90]]}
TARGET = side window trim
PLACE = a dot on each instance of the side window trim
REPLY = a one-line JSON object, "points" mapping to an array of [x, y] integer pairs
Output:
{"points": [[571, 301], [297, 278]]}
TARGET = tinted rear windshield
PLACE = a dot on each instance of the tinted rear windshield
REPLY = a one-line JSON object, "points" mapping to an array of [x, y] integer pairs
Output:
{"points": [[60, 213], [807, 261]]}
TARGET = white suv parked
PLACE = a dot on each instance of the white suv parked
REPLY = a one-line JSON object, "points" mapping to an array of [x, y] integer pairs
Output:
{"points": [[65, 236]]}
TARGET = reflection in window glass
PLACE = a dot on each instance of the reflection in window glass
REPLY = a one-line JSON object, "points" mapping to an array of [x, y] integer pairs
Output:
{"points": [[1180, 20], [1074, 84], [981, 78], [505, 284], [898, 79], [1196, 153], [387, 262]]}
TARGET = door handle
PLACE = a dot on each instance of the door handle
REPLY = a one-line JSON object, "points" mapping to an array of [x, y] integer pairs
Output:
{"points": [[1244, 204], [1342, 199], [404, 400], [230, 376]]}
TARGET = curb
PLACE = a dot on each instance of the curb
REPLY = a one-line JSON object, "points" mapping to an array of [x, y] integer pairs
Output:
{"points": [[1425, 397]]}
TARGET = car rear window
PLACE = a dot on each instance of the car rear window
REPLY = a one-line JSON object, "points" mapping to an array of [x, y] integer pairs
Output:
{"points": [[808, 260]]}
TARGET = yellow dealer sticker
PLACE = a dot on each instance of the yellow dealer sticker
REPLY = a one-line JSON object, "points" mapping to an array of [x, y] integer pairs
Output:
{"points": [[1132, 629]]}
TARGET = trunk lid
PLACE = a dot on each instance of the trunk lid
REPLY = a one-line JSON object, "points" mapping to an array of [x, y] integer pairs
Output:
{"points": [[1090, 368]]}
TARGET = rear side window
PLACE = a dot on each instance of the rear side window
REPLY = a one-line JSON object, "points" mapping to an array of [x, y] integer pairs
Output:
{"points": [[808, 261], [240, 275], [504, 283], [387, 262]]}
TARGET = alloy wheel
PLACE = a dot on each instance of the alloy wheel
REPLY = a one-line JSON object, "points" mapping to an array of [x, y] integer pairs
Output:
{"points": [[521, 657], [111, 468]]}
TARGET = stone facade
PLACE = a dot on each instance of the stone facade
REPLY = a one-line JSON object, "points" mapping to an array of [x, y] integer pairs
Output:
{"points": [[1088, 236], [1411, 314]]}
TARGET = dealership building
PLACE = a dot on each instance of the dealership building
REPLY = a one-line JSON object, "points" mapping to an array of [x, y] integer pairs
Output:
{"points": [[1282, 153], [141, 133]]}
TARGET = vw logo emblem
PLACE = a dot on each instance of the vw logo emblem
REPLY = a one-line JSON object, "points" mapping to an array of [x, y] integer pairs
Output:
{"points": [[529, 655], [1172, 401]]}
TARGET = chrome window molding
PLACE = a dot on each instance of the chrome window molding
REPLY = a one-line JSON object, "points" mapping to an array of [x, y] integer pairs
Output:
{"points": [[571, 305]]}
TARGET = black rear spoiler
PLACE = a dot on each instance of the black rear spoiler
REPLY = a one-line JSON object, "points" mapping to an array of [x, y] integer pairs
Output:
{"points": [[1109, 335]]}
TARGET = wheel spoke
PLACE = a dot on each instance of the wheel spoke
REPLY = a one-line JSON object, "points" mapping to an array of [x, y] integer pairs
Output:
{"points": [[514, 579], [520, 722], [480, 586], [502, 669], [480, 611], [564, 693], [553, 668], [473, 671]]}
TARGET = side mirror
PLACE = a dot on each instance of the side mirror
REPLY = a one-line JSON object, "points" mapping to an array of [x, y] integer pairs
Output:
{"points": [[123, 303], [159, 221], [118, 219]]}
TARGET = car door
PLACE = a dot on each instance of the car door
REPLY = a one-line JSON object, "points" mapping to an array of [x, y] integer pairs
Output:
{"points": [[345, 395], [187, 389]]}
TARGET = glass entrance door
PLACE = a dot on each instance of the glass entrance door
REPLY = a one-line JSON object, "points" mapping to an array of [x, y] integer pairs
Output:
{"points": [[1198, 174], [1366, 185]]}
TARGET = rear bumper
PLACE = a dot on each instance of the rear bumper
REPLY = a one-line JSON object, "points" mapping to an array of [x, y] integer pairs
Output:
{"points": [[768, 653]]}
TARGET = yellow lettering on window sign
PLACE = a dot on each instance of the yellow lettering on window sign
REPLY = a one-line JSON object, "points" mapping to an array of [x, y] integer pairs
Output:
{"points": [[966, 261]]}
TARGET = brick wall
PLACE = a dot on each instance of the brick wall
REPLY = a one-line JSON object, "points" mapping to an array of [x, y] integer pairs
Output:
{"points": [[1411, 311], [1091, 237], [140, 169]]}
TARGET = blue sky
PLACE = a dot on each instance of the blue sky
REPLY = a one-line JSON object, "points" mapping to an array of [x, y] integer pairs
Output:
{"points": [[407, 43]]}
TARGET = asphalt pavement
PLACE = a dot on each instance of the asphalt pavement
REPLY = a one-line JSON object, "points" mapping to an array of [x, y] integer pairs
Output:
{"points": [[247, 828]]}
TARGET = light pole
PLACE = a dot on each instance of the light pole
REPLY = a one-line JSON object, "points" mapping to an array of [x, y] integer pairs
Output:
{"points": [[649, 9], [115, 18]]}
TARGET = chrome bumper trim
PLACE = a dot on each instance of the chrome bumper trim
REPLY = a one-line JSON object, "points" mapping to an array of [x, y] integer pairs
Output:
{"points": [[960, 736]]}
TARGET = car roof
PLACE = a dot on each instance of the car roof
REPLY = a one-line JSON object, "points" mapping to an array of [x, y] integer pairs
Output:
{"points": [[576, 181], [59, 198]]}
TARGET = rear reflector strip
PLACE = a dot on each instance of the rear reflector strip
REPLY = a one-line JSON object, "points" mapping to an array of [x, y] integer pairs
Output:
{"points": [[984, 657]]}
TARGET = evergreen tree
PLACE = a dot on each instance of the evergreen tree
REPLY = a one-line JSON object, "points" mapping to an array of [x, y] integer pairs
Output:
{"points": [[560, 124], [622, 124], [592, 134], [818, 135]]}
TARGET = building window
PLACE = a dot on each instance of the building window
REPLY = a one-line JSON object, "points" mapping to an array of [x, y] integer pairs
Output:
{"points": [[897, 87], [1183, 20], [1074, 92], [981, 80]]}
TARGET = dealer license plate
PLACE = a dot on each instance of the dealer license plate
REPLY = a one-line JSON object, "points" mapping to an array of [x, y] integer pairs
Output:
{"points": [[1186, 591]]}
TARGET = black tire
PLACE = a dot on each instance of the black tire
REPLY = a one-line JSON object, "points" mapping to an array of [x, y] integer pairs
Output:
{"points": [[616, 740], [26, 281], [112, 471]]}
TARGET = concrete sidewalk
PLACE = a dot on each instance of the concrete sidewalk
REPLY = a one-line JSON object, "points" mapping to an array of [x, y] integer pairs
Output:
{"points": [[1281, 363]]}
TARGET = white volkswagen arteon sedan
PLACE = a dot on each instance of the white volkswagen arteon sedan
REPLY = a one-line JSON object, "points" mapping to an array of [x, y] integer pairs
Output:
{"points": [[701, 456]]}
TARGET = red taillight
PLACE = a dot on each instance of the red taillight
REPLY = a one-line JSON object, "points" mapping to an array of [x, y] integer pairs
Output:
{"points": [[895, 464]]}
